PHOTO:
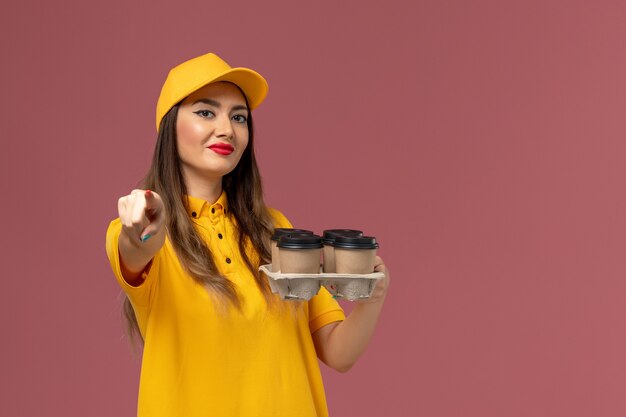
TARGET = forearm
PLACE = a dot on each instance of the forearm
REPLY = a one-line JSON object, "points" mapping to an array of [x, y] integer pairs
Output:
{"points": [[339, 345], [348, 340]]}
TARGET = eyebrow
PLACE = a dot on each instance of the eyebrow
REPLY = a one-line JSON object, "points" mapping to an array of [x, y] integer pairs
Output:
{"points": [[218, 104]]}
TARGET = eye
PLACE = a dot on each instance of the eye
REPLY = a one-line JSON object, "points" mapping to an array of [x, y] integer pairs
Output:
{"points": [[240, 118], [205, 113]]}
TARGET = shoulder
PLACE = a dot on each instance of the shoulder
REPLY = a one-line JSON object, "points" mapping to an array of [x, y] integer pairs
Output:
{"points": [[278, 218]]}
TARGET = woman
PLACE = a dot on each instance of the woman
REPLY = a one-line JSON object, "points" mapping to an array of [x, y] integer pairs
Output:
{"points": [[186, 252]]}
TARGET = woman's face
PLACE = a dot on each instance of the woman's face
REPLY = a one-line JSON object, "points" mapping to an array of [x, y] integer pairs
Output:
{"points": [[212, 131]]}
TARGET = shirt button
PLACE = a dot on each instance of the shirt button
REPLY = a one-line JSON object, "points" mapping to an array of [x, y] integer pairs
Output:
{"points": [[193, 214], [220, 235], [213, 210], [228, 260]]}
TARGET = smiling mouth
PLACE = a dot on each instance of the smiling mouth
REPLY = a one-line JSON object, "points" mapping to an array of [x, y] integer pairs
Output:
{"points": [[222, 148]]}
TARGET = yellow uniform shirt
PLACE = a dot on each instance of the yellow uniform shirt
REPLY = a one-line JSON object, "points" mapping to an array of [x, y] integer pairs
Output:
{"points": [[199, 362]]}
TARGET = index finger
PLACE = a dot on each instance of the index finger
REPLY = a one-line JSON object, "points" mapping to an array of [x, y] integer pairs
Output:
{"points": [[149, 198], [153, 203]]}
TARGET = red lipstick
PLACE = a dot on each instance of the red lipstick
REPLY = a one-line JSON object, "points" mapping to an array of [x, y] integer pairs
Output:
{"points": [[222, 148]]}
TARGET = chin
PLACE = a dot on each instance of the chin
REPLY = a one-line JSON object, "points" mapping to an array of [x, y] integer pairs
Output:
{"points": [[219, 171]]}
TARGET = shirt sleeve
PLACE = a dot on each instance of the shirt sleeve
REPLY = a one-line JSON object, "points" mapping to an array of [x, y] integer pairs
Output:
{"points": [[139, 295], [323, 310]]}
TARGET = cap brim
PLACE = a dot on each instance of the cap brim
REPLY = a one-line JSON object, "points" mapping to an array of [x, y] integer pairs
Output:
{"points": [[251, 83]]}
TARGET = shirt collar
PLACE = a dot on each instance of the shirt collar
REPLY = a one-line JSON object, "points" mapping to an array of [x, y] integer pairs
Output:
{"points": [[197, 207]]}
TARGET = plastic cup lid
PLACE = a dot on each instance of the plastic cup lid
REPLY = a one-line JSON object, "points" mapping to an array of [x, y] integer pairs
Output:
{"points": [[300, 241], [355, 242], [330, 235], [278, 232]]}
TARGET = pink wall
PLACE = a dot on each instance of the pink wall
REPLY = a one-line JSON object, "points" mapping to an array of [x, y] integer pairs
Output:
{"points": [[482, 142]]}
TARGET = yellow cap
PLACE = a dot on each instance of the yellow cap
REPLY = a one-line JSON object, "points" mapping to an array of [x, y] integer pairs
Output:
{"points": [[191, 75]]}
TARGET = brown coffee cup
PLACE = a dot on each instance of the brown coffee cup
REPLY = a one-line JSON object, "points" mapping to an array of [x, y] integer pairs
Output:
{"points": [[278, 232], [300, 254], [328, 238], [355, 254]]}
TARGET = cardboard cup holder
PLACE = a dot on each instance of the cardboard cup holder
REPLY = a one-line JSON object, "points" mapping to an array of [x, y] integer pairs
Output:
{"points": [[303, 287]]}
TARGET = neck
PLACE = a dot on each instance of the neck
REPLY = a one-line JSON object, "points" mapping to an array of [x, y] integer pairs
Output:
{"points": [[206, 188]]}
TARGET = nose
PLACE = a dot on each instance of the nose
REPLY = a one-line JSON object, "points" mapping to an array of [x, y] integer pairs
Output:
{"points": [[223, 127]]}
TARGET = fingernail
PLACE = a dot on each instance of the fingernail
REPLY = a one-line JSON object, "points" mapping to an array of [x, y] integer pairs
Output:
{"points": [[148, 193], [146, 237]]}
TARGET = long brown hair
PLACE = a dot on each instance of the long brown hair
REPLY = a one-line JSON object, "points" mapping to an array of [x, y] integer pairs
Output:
{"points": [[245, 203]]}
